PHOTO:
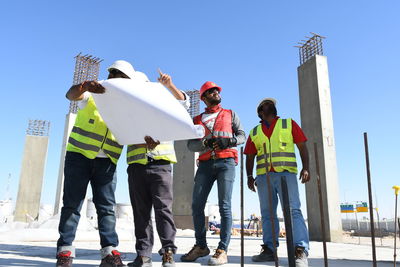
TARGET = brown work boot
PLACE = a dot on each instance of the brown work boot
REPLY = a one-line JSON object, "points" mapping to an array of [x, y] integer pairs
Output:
{"points": [[218, 258], [195, 253], [112, 260], [64, 259]]}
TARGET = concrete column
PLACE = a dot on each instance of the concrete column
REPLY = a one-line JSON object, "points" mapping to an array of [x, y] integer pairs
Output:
{"points": [[317, 123], [69, 123], [31, 179], [183, 175]]}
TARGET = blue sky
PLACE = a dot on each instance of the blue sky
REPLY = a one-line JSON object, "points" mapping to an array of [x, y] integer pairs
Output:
{"points": [[245, 47]]}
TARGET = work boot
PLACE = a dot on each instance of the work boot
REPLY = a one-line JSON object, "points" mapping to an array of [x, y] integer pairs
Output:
{"points": [[168, 258], [301, 257], [64, 259], [112, 260], [141, 261], [195, 253], [266, 254], [218, 258]]}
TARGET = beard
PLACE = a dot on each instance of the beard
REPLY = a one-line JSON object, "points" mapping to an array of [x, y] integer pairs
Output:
{"points": [[214, 101], [270, 110]]}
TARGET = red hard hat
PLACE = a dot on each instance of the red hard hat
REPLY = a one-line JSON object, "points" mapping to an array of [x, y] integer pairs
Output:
{"points": [[208, 85]]}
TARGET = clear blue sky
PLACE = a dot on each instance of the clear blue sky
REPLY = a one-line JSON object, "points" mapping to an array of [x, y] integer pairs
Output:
{"points": [[245, 47]]}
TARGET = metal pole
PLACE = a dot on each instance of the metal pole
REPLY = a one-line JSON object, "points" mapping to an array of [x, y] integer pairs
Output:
{"points": [[371, 212], [321, 206], [288, 222], [398, 222], [395, 232], [241, 210], [396, 192], [271, 212]]}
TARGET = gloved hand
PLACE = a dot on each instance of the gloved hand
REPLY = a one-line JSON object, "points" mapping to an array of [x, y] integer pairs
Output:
{"points": [[224, 143], [209, 142]]}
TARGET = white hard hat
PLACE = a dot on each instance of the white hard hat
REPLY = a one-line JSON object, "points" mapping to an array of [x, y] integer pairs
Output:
{"points": [[141, 76], [265, 100], [123, 66]]}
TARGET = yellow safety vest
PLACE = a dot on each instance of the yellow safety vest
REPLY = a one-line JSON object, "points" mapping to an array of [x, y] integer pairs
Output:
{"points": [[280, 147], [138, 153], [90, 134]]}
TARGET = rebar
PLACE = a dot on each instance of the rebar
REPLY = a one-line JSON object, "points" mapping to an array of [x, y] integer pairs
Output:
{"points": [[321, 206], [371, 213], [38, 128], [271, 212], [310, 47], [86, 69], [241, 209]]}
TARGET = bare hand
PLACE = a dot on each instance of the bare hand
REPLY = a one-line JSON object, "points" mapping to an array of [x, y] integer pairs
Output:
{"points": [[251, 183], [165, 79], [93, 87], [151, 144], [304, 176]]}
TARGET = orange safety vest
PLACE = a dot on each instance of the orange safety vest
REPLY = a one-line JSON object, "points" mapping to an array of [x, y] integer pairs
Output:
{"points": [[222, 128]]}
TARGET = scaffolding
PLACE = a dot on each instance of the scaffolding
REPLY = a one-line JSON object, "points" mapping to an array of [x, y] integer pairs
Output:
{"points": [[194, 109], [311, 47], [86, 69], [38, 128]]}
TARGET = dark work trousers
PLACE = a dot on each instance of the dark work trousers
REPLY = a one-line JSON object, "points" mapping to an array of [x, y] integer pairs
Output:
{"points": [[151, 186], [78, 172]]}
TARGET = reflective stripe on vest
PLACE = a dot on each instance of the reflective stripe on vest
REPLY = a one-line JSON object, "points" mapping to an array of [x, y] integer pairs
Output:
{"points": [[139, 153], [222, 128], [280, 147], [90, 134]]}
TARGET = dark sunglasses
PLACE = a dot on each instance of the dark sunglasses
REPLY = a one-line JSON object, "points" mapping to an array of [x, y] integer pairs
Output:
{"points": [[211, 91]]}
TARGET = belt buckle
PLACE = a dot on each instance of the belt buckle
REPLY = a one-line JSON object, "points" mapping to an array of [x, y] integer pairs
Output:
{"points": [[213, 156]]}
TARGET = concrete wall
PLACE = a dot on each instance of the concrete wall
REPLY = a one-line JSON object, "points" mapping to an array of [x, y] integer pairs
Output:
{"points": [[317, 123], [353, 224], [183, 175], [31, 179], [69, 123]]}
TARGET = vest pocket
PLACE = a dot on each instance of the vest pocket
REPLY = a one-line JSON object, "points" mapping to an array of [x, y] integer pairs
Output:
{"points": [[285, 137]]}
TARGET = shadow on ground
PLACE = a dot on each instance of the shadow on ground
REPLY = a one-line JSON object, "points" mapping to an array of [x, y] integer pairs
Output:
{"points": [[45, 256]]}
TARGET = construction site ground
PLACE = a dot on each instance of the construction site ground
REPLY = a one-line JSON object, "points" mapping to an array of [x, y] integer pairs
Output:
{"points": [[36, 247]]}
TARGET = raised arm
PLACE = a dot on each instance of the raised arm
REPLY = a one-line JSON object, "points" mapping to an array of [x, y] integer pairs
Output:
{"points": [[166, 80], [76, 91]]}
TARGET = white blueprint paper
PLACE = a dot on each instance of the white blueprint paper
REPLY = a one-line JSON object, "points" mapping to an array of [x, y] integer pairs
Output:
{"points": [[133, 109]]}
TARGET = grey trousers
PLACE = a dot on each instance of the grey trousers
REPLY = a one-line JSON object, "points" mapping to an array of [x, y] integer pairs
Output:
{"points": [[151, 186]]}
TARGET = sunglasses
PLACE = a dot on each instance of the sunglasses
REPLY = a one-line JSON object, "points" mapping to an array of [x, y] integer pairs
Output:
{"points": [[211, 91]]}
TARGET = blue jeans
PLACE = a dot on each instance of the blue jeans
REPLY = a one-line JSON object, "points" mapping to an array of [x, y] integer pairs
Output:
{"points": [[223, 171], [78, 172], [300, 232]]}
